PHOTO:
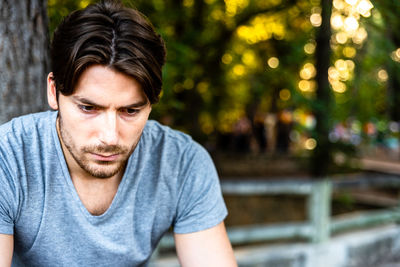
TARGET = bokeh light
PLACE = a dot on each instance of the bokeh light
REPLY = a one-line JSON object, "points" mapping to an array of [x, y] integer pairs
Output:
{"points": [[383, 75], [307, 86], [336, 21], [249, 58], [284, 94], [261, 28], [349, 52], [310, 144], [364, 8], [316, 19], [338, 4], [232, 7], [338, 86], [226, 58], [308, 71], [341, 37], [351, 2], [351, 24], [360, 36], [309, 48], [273, 62], [396, 55], [239, 70]]}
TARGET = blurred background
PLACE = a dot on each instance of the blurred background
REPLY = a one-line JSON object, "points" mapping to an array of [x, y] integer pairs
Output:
{"points": [[242, 76], [297, 101]]}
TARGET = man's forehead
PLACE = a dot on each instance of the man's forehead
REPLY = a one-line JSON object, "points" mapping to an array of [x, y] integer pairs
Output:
{"points": [[106, 86]]}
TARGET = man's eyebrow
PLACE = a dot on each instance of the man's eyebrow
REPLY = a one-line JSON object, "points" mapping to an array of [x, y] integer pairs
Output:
{"points": [[86, 101], [138, 104]]}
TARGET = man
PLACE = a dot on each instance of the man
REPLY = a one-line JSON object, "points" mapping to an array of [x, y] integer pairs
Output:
{"points": [[95, 182]]}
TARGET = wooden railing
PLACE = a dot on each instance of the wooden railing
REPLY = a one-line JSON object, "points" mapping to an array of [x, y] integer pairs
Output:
{"points": [[320, 225]]}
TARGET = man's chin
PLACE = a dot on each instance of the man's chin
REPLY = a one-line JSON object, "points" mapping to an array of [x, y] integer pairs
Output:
{"points": [[102, 175], [103, 170]]}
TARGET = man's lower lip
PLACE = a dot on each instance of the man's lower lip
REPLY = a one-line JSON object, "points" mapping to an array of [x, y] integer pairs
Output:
{"points": [[105, 158]]}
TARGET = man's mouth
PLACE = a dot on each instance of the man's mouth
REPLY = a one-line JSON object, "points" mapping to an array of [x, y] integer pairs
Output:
{"points": [[105, 157]]}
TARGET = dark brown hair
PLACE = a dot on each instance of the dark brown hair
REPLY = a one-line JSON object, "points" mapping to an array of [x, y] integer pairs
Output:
{"points": [[112, 35]]}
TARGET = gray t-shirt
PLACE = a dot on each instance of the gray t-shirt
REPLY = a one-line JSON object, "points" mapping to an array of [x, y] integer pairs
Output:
{"points": [[169, 181]]}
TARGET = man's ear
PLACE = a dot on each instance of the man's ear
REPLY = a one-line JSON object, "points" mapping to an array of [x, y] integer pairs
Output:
{"points": [[52, 92]]}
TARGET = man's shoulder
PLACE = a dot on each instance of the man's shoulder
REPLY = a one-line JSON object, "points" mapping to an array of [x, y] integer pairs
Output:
{"points": [[158, 132], [162, 139], [27, 119], [27, 126]]}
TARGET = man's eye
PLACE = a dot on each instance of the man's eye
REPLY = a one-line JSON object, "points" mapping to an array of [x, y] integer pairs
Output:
{"points": [[86, 108], [130, 111]]}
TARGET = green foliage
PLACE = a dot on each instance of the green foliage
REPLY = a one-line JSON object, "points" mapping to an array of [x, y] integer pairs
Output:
{"points": [[199, 35]]}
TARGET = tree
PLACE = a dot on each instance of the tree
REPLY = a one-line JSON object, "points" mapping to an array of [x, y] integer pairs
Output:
{"points": [[389, 11], [322, 153], [23, 57]]}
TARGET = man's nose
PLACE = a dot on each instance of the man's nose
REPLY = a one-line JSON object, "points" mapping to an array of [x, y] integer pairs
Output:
{"points": [[109, 129]]}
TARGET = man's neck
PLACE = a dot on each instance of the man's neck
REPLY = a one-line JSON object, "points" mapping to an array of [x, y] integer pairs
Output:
{"points": [[96, 194]]}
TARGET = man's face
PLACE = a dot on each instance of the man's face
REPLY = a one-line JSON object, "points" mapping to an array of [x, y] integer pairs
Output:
{"points": [[101, 123]]}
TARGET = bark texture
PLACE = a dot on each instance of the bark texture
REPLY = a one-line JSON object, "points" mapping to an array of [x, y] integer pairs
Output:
{"points": [[23, 57]]}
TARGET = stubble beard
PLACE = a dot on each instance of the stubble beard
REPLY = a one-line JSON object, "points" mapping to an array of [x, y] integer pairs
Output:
{"points": [[90, 167]]}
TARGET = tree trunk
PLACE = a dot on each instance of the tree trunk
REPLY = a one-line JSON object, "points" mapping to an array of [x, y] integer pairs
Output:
{"points": [[393, 85], [321, 159], [23, 57]]}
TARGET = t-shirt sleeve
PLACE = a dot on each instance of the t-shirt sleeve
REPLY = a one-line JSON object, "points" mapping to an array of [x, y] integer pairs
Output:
{"points": [[200, 203], [7, 199]]}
